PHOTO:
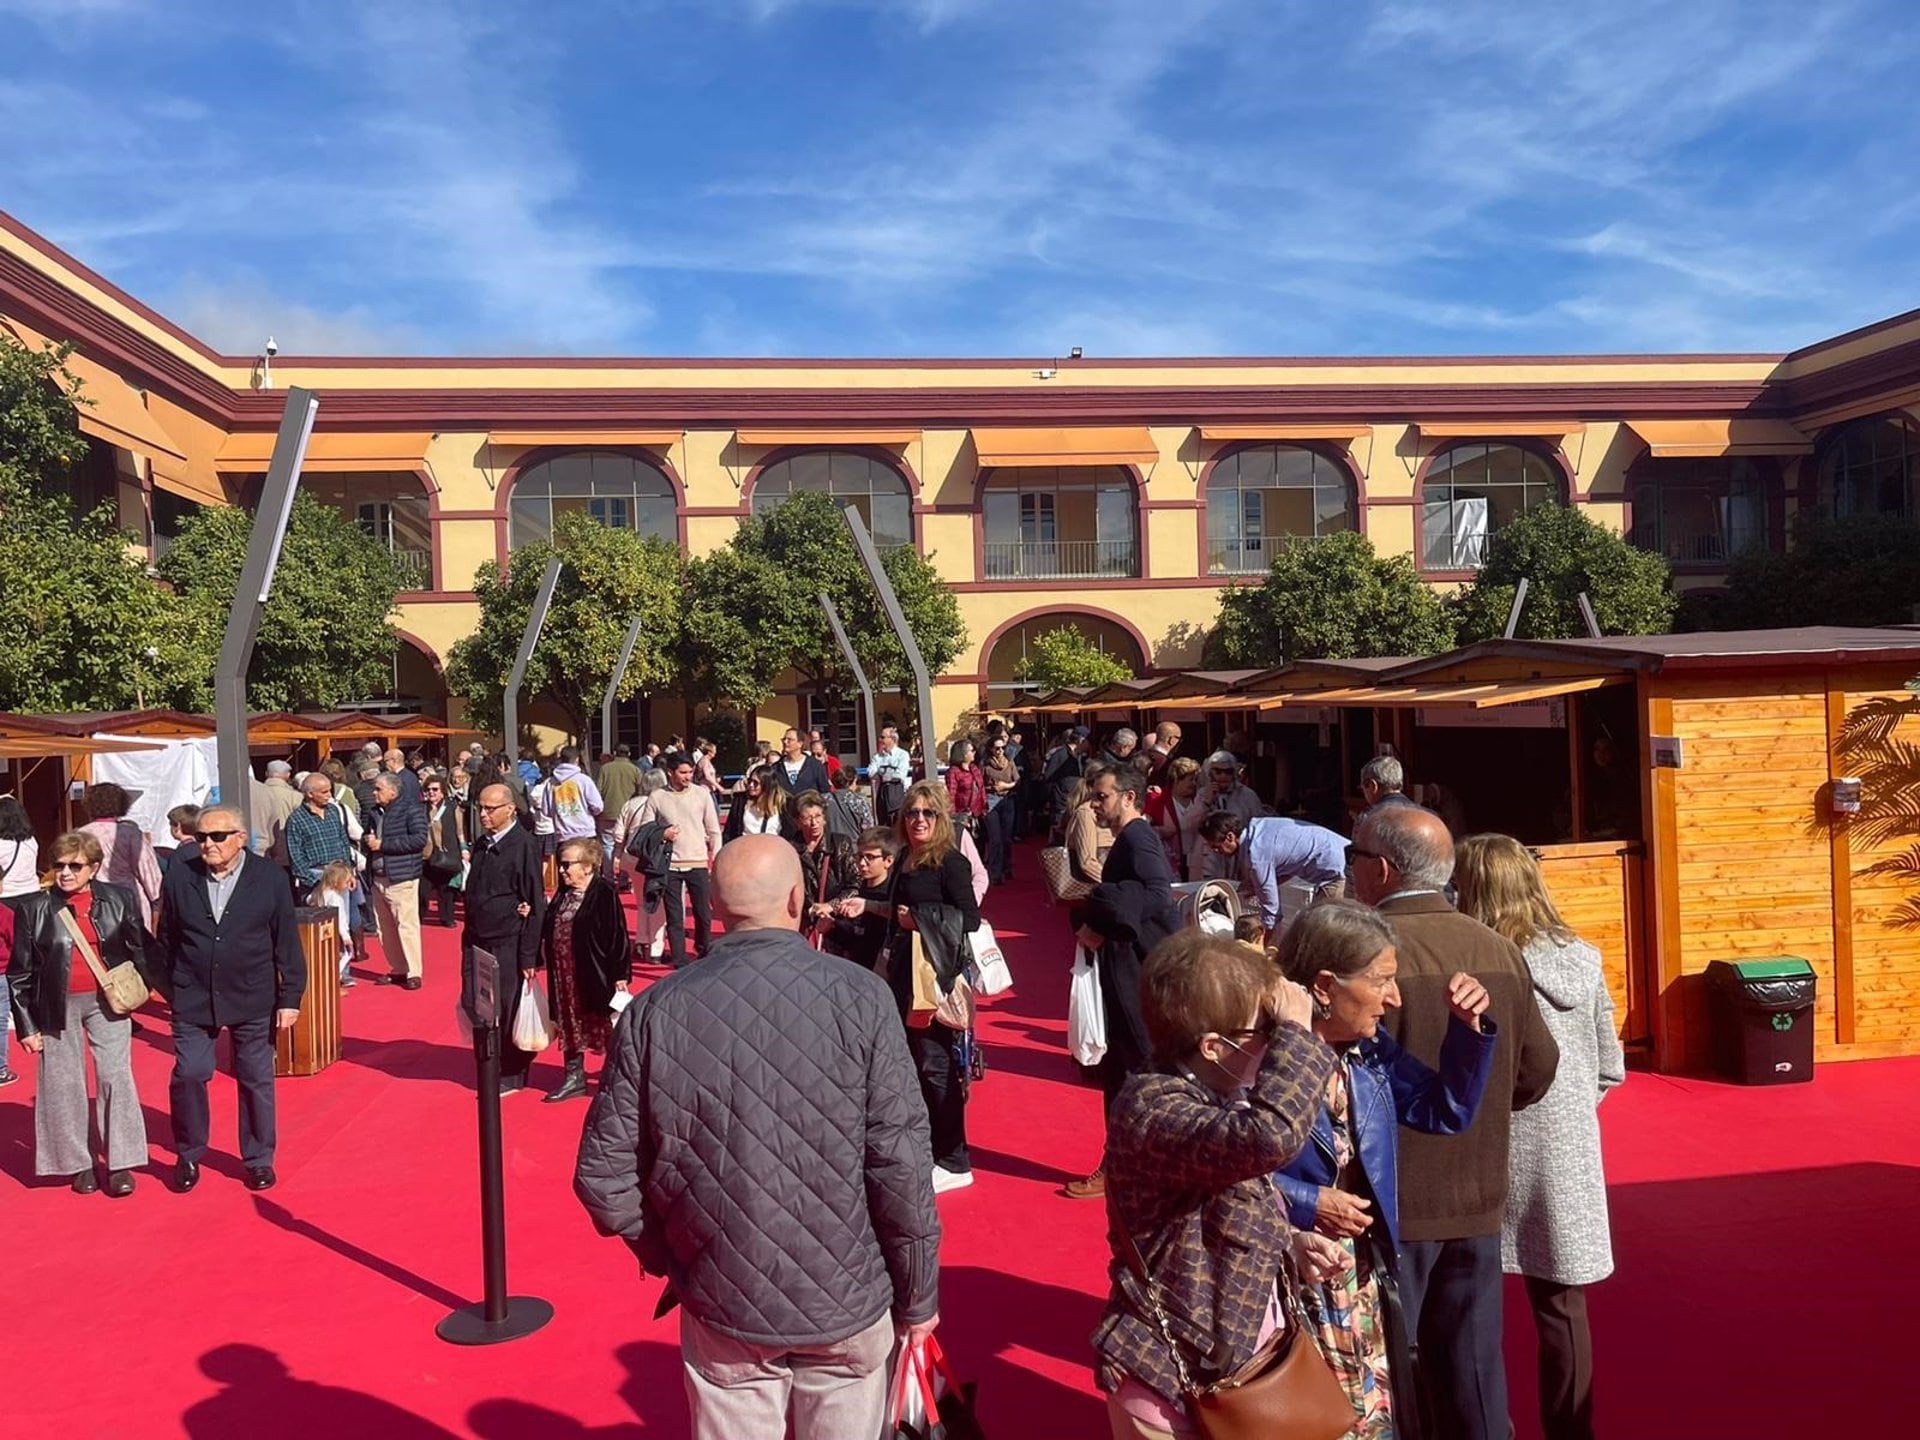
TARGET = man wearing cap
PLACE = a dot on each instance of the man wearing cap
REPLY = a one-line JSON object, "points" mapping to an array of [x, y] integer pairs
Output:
{"points": [[1221, 790]]}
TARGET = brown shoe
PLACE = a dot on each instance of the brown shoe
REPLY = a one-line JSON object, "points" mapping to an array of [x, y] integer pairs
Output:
{"points": [[1091, 1188]]}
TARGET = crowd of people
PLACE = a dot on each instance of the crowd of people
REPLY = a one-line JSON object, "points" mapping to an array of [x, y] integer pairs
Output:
{"points": [[1343, 1124]]}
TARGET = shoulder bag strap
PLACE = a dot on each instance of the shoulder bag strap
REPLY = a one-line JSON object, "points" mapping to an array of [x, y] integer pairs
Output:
{"points": [[79, 938], [1137, 1263]]}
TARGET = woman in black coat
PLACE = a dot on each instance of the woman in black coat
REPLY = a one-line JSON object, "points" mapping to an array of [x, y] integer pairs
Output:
{"points": [[589, 960], [61, 1016]]}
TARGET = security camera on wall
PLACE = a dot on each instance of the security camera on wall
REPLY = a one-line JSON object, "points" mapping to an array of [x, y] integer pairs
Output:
{"points": [[273, 347]]}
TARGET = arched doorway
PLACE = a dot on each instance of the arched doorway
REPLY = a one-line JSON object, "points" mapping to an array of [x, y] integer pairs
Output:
{"points": [[1007, 648]]}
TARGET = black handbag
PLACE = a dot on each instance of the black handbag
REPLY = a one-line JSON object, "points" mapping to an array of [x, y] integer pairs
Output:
{"points": [[1286, 1391]]}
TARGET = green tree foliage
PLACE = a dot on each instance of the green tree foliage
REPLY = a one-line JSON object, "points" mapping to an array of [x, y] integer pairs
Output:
{"points": [[753, 609], [82, 627], [1562, 553], [1329, 598], [1065, 656], [607, 576], [324, 637], [1850, 570]]}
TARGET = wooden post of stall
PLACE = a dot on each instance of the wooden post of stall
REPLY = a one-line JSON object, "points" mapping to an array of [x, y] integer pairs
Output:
{"points": [[1576, 777]]}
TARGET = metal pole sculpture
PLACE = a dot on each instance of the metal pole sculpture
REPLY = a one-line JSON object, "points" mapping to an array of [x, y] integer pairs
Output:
{"points": [[250, 597], [870, 557], [613, 685], [1519, 604], [536, 620], [853, 664]]}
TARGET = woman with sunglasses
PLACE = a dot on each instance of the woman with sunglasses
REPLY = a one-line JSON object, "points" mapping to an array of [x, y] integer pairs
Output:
{"points": [[1191, 1150], [1002, 778], [61, 1017], [446, 848], [1345, 1185], [933, 894], [584, 946], [759, 808]]}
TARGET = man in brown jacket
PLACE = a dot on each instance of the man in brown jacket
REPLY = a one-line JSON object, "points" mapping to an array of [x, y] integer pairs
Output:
{"points": [[1452, 1188]]}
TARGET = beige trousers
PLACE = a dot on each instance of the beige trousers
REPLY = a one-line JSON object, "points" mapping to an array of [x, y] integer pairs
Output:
{"points": [[396, 906], [740, 1391]]}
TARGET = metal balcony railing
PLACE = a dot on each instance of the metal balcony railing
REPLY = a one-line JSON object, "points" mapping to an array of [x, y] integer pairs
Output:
{"points": [[1061, 559], [416, 568], [1249, 557]]}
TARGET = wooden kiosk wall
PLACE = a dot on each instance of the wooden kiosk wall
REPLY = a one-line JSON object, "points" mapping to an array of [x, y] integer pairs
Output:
{"points": [[1749, 861]]}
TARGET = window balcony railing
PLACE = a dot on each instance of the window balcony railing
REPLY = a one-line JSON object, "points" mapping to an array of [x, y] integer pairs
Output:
{"points": [[1692, 545], [1250, 557], [416, 568], [1061, 559]]}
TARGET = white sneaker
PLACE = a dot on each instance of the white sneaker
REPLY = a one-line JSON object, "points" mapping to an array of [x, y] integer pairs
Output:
{"points": [[944, 1180]]}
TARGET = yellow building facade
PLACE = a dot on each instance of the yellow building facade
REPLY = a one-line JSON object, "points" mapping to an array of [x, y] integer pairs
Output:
{"points": [[1120, 496]]}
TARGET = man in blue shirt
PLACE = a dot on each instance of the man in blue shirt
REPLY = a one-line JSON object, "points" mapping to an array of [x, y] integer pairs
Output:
{"points": [[1268, 851]]}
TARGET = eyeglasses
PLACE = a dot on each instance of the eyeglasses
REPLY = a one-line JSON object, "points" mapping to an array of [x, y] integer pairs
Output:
{"points": [[576, 865], [73, 864], [868, 859], [1363, 853], [503, 805], [214, 837], [922, 814]]}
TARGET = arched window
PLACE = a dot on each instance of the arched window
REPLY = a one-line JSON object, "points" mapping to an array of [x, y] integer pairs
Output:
{"points": [[1700, 513], [872, 487], [1872, 467], [1260, 495], [620, 490], [1044, 522], [1106, 634], [1472, 490]]}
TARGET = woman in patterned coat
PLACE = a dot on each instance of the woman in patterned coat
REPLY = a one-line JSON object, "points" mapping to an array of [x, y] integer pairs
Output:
{"points": [[1555, 1233]]}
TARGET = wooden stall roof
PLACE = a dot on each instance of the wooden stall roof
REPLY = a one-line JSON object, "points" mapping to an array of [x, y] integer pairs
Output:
{"points": [[107, 722], [262, 728], [1323, 674], [1121, 692], [1812, 645], [1474, 695], [40, 747], [1198, 684]]}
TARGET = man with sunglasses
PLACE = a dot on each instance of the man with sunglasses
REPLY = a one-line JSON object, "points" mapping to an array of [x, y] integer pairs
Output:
{"points": [[230, 954], [1221, 790]]}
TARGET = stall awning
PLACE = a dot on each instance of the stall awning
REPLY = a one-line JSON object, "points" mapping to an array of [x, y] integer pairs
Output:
{"points": [[1497, 428], [847, 435], [1283, 430], [585, 439], [1071, 445], [118, 415], [1474, 695], [340, 452], [1694, 439], [27, 747]]}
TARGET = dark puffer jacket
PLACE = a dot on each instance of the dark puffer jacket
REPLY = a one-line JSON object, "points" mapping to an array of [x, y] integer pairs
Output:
{"points": [[759, 1138]]}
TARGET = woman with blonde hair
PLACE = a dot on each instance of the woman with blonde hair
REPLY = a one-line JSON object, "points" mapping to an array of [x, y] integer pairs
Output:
{"points": [[759, 808], [61, 1015], [1555, 1232], [1086, 839], [933, 898]]}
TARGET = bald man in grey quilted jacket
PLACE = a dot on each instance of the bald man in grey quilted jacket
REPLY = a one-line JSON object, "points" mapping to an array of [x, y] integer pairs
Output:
{"points": [[760, 1140]]}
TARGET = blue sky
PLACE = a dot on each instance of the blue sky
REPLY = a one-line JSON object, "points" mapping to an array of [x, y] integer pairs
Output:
{"points": [[944, 177]]}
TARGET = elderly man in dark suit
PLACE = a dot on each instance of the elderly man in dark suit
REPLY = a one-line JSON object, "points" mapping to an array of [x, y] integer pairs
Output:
{"points": [[506, 910], [230, 958]]}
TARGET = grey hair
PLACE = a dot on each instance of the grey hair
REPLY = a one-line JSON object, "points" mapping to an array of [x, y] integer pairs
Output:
{"points": [[1223, 759], [1124, 736], [279, 767], [1341, 937], [384, 781], [652, 779], [1386, 772], [368, 771], [316, 778], [1404, 836]]}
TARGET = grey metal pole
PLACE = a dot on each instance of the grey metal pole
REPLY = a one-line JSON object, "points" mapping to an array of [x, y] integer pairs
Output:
{"points": [[1519, 603], [250, 597], [853, 664], [1586, 614], [870, 557], [536, 620], [613, 685]]}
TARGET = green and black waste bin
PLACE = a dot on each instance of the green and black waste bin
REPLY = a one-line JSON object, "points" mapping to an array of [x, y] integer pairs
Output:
{"points": [[1762, 1019]]}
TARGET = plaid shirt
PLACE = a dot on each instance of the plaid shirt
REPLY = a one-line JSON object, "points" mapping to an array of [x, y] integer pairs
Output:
{"points": [[315, 840]]}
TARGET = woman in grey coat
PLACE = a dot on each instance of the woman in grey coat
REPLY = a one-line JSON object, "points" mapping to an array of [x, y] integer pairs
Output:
{"points": [[1555, 1234]]}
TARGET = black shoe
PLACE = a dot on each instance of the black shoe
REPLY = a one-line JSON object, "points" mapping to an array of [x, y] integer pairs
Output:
{"points": [[260, 1177], [411, 982], [186, 1175], [119, 1183], [571, 1088], [86, 1182], [391, 979], [511, 1083]]}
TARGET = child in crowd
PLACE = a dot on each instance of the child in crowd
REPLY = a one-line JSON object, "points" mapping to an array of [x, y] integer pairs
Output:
{"points": [[336, 887]]}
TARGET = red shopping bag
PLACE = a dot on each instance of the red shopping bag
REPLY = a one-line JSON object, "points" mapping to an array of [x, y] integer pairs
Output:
{"points": [[929, 1400]]}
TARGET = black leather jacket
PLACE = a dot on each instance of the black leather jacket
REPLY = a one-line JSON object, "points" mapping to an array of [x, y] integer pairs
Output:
{"points": [[43, 953]]}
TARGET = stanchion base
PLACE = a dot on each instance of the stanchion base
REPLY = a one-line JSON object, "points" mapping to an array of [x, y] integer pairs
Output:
{"points": [[469, 1324]]}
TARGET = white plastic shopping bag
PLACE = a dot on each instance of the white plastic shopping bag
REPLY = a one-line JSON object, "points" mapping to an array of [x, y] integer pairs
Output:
{"points": [[990, 973], [1086, 1010], [532, 1024]]}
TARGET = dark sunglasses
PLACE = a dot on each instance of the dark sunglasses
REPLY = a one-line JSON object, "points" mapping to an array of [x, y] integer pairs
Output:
{"points": [[922, 814], [216, 837], [72, 864]]}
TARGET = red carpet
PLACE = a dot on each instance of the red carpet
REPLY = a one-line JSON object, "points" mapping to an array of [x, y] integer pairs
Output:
{"points": [[1762, 1238]]}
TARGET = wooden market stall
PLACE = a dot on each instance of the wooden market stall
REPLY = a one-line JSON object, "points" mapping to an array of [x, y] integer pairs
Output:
{"points": [[1677, 788]]}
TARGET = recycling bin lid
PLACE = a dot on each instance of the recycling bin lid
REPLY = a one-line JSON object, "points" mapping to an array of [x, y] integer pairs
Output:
{"points": [[1780, 967]]}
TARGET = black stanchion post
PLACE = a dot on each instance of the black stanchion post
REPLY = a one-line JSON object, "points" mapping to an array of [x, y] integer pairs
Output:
{"points": [[499, 1316]]}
